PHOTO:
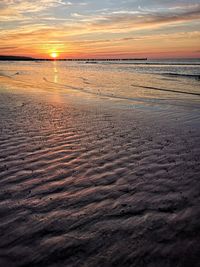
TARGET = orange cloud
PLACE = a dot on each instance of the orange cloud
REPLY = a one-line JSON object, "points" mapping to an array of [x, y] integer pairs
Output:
{"points": [[31, 28]]}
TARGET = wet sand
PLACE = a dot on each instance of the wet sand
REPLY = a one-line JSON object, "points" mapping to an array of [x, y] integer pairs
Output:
{"points": [[95, 184]]}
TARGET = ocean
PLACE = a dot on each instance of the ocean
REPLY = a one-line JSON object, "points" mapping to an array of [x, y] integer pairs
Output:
{"points": [[158, 82]]}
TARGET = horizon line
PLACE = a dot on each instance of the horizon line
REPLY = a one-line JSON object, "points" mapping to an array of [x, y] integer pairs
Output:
{"points": [[29, 58]]}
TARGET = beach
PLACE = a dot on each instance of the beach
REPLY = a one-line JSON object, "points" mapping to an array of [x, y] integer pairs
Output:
{"points": [[99, 167]]}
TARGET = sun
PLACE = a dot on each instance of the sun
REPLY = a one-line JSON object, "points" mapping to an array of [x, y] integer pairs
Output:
{"points": [[54, 55]]}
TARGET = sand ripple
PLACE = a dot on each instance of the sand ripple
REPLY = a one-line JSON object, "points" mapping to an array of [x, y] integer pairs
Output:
{"points": [[86, 186]]}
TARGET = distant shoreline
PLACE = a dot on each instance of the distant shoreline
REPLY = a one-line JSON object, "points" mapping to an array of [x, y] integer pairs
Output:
{"points": [[138, 61], [20, 58]]}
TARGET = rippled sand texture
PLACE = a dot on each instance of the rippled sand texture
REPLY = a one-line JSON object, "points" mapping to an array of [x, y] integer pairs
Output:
{"points": [[96, 186]]}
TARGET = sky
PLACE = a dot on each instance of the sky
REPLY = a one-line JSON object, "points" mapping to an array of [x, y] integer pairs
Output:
{"points": [[100, 28]]}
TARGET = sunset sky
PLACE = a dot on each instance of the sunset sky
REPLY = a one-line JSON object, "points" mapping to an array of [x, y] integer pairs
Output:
{"points": [[103, 28]]}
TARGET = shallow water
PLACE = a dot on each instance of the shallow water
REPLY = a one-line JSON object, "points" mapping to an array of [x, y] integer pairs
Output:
{"points": [[159, 83], [98, 178]]}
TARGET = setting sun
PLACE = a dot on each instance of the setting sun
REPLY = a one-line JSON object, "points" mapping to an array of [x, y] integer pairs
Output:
{"points": [[54, 55]]}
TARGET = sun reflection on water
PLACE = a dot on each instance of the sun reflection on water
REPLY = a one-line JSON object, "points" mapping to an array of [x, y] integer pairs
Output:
{"points": [[55, 69]]}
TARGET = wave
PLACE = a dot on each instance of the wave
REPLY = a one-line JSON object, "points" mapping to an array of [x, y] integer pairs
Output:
{"points": [[9, 76], [4, 75], [99, 93], [167, 90], [193, 76]]}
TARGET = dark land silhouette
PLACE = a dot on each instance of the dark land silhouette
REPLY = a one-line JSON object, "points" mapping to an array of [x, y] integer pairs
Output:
{"points": [[22, 58]]}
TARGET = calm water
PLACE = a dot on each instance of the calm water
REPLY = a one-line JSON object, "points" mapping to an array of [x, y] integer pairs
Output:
{"points": [[162, 83]]}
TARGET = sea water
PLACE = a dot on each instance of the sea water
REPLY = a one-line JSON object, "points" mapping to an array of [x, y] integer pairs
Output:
{"points": [[161, 82]]}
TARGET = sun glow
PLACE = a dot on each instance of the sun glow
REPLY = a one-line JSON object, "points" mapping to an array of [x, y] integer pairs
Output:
{"points": [[54, 55]]}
